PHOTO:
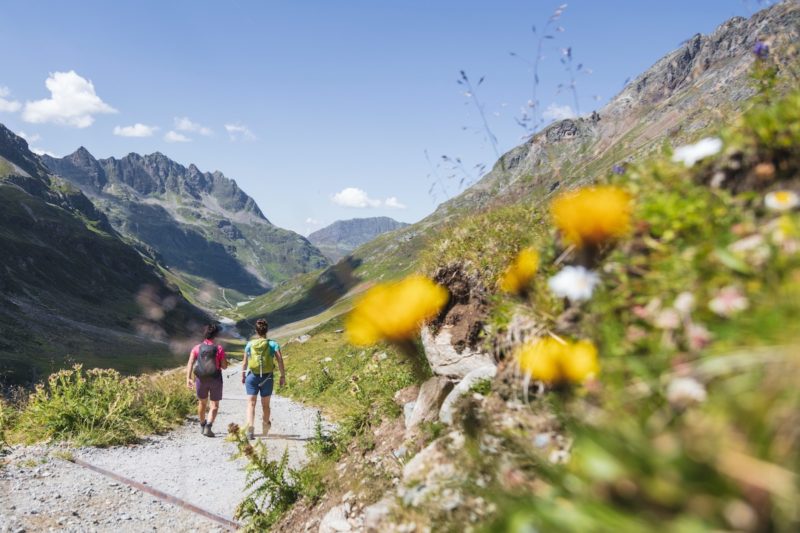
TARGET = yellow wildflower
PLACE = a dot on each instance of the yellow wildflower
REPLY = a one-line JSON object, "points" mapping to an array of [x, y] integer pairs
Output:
{"points": [[541, 359], [520, 272], [580, 362], [553, 361], [592, 215], [394, 311]]}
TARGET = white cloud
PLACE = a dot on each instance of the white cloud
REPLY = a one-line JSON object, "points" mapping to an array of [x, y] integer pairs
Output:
{"points": [[394, 203], [239, 132], [185, 124], [6, 105], [175, 137], [41, 151], [137, 130], [353, 197], [313, 221], [30, 137], [73, 102], [558, 112]]}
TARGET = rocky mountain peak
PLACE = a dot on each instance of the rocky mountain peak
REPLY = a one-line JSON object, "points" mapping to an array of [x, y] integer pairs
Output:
{"points": [[14, 149]]}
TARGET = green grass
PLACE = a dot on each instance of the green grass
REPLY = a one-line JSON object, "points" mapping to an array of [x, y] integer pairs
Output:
{"points": [[100, 407], [342, 380]]}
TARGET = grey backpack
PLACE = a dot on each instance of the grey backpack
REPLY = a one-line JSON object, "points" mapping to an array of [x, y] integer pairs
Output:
{"points": [[205, 365]]}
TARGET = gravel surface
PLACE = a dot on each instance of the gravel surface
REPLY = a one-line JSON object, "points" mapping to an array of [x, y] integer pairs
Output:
{"points": [[39, 492]]}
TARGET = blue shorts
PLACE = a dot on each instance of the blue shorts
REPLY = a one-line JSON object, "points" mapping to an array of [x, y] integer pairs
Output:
{"points": [[255, 384]]}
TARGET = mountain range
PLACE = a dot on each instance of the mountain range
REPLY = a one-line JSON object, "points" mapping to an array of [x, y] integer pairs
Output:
{"points": [[343, 236], [200, 226], [71, 289]]}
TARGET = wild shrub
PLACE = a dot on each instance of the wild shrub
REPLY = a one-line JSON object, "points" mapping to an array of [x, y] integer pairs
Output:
{"points": [[100, 407], [272, 487]]}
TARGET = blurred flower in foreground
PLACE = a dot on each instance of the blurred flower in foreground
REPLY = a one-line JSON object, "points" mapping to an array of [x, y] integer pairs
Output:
{"points": [[684, 392], [618, 169], [394, 311], [684, 303], [574, 282], [520, 272], [692, 153], [761, 49], [782, 200], [592, 215], [554, 361], [728, 301], [697, 336]]}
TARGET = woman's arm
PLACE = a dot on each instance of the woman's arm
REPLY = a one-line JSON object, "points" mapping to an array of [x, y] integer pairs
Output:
{"points": [[189, 380], [244, 360], [279, 358]]}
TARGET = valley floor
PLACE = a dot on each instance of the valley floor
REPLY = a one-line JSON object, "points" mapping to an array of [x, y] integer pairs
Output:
{"points": [[39, 491]]}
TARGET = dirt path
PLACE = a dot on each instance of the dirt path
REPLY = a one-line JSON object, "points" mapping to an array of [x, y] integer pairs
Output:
{"points": [[39, 492]]}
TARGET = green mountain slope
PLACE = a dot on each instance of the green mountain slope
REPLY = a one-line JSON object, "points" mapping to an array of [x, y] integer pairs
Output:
{"points": [[70, 288], [704, 83]]}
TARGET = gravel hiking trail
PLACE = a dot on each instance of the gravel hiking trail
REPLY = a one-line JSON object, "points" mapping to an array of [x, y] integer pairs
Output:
{"points": [[40, 492]]}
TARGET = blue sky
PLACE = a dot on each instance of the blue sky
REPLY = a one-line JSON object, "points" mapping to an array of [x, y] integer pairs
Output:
{"points": [[328, 105]]}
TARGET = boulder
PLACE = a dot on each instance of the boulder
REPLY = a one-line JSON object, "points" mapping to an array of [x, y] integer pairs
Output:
{"points": [[406, 394], [376, 514], [431, 395], [335, 520], [476, 375], [408, 410], [445, 360]]}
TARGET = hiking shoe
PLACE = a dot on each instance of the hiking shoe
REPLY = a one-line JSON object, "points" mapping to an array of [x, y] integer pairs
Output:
{"points": [[203, 428], [207, 431], [251, 433], [265, 425]]}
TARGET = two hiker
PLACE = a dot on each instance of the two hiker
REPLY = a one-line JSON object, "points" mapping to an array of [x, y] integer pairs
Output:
{"points": [[206, 362]]}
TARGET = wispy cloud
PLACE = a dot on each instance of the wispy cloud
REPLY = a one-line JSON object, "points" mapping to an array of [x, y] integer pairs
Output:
{"points": [[175, 137], [185, 124], [42, 151], [239, 132], [359, 199], [558, 112], [6, 105], [394, 203], [137, 130], [30, 137], [73, 102]]}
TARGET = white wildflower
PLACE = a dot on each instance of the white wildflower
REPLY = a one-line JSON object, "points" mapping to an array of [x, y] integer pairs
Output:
{"points": [[782, 200], [728, 301], [574, 282], [667, 319], [684, 303], [683, 392], [692, 153]]}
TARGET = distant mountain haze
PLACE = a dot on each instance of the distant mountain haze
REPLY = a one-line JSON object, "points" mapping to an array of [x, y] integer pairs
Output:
{"points": [[201, 225], [344, 236]]}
